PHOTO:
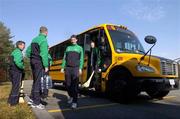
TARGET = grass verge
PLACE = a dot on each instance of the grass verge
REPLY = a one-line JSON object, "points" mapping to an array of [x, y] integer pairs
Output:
{"points": [[21, 111]]}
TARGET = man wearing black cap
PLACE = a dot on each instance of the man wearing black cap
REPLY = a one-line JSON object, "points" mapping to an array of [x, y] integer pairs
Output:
{"points": [[73, 63]]}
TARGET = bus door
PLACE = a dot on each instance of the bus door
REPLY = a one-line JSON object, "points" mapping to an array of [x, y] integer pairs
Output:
{"points": [[104, 55], [84, 43], [106, 59], [89, 37], [105, 51]]}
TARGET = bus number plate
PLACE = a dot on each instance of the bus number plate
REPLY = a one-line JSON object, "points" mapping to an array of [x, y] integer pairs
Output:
{"points": [[171, 81]]}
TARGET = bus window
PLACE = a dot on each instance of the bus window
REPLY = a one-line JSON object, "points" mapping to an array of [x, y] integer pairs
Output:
{"points": [[80, 40], [87, 42], [62, 50], [128, 41], [57, 52], [119, 46], [51, 51], [63, 47]]}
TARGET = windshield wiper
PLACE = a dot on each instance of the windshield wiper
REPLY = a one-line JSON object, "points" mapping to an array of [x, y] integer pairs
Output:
{"points": [[123, 50], [140, 51], [127, 50]]}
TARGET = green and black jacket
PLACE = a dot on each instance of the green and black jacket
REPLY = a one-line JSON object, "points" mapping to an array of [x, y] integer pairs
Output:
{"points": [[38, 50], [73, 57], [17, 63], [95, 58], [50, 60]]}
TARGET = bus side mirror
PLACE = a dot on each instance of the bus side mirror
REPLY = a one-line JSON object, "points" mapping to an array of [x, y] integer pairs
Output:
{"points": [[150, 39]]}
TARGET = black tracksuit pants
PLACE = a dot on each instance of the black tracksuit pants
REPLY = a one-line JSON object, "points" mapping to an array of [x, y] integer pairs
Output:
{"points": [[72, 80], [15, 78], [37, 71]]}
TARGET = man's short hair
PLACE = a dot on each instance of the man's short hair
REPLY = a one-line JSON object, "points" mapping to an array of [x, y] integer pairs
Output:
{"points": [[43, 29], [92, 41], [19, 43], [73, 36]]}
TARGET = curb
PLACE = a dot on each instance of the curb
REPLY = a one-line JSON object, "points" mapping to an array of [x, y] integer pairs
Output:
{"points": [[40, 114]]}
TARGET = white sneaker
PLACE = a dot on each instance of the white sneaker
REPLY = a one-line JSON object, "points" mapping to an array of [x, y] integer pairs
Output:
{"points": [[40, 106], [92, 89], [70, 100], [74, 105], [30, 102]]}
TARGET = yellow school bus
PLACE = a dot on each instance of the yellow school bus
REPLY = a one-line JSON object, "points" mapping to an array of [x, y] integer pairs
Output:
{"points": [[126, 69]]}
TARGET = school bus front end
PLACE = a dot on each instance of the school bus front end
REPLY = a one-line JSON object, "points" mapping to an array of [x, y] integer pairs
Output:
{"points": [[132, 70]]}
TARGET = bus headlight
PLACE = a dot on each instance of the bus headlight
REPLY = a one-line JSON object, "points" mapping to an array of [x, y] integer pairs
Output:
{"points": [[141, 68]]}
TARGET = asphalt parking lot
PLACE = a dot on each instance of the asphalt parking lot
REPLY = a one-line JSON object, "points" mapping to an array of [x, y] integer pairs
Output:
{"points": [[93, 106]]}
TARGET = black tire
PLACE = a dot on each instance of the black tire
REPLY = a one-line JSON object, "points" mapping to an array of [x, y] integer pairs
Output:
{"points": [[121, 85], [157, 94], [53, 85]]}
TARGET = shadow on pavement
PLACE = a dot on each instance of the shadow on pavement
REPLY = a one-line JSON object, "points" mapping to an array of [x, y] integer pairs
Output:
{"points": [[139, 108]]}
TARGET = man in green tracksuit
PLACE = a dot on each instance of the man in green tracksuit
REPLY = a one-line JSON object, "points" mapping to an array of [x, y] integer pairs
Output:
{"points": [[16, 72], [94, 64], [38, 54], [73, 63]]}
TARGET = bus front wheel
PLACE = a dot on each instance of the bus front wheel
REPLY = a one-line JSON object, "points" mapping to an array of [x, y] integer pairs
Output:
{"points": [[121, 85], [157, 94]]}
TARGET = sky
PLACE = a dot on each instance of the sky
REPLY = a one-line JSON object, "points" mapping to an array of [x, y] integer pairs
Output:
{"points": [[160, 18]]}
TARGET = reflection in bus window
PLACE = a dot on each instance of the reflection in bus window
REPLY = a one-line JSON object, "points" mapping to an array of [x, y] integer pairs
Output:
{"points": [[126, 42]]}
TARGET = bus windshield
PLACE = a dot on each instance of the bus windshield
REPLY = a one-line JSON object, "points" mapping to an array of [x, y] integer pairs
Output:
{"points": [[126, 42]]}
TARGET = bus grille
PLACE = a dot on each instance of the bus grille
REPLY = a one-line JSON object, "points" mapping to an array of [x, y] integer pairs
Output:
{"points": [[169, 68]]}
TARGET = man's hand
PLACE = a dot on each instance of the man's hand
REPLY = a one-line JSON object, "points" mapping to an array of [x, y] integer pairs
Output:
{"points": [[62, 70], [80, 71], [46, 69]]}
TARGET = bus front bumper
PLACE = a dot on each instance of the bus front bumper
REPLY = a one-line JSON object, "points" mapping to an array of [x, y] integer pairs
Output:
{"points": [[166, 84]]}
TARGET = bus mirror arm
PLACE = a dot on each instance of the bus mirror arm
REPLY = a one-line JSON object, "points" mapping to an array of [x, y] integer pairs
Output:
{"points": [[142, 58], [150, 40]]}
